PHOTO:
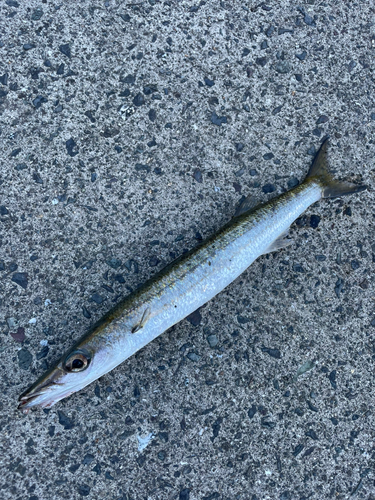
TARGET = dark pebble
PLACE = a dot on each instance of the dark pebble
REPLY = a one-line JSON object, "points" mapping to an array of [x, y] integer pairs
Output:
{"points": [[283, 67], [245, 52], [216, 426], [195, 318], [64, 420], [264, 45], [119, 278], [88, 459], [132, 265], [268, 188], [339, 287], [193, 356], [261, 61], [154, 261], [15, 152], [218, 120], [312, 407], [354, 264], [237, 187], [298, 77], [293, 182], [12, 267], [242, 320], [270, 30], [322, 119], [282, 31], [39, 100], [19, 335], [277, 110], [152, 115], [268, 156], [20, 279], [110, 132], [184, 494], [114, 263], [43, 352], [198, 176], [312, 434], [98, 299], [348, 211], [37, 14], [84, 490], [71, 147], [60, 69], [28, 46], [311, 151], [2, 265], [140, 167], [4, 79], [297, 450], [267, 423], [65, 49], [298, 268], [212, 340], [252, 411], [239, 146], [285, 495], [314, 221], [86, 312], [51, 430], [20, 166], [208, 82], [308, 20], [274, 353], [37, 178], [3, 210], [320, 258], [139, 100], [90, 116], [168, 125], [302, 56], [24, 359]]}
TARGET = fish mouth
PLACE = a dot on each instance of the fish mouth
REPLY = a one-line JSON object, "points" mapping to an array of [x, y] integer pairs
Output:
{"points": [[44, 397]]}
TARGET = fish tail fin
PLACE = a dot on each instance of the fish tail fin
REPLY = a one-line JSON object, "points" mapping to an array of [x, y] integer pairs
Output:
{"points": [[319, 172]]}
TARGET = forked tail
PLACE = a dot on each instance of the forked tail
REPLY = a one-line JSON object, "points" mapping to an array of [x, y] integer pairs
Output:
{"points": [[319, 172]]}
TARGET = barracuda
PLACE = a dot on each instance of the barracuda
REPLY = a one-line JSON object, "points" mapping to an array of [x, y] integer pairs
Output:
{"points": [[183, 286]]}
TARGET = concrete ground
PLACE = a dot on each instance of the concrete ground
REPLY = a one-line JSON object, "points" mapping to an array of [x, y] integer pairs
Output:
{"points": [[128, 132]]}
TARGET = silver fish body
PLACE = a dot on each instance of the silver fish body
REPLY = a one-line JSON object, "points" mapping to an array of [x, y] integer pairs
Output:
{"points": [[181, 288]]}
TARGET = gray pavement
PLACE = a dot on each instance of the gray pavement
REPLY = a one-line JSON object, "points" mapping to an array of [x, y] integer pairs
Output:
{"points": [[128, 132]]}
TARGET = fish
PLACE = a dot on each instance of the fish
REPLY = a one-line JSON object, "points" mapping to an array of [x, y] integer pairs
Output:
{"points": [[184, 286]]}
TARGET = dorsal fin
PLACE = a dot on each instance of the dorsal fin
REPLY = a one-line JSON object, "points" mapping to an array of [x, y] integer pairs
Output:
{"points": [[245, 205]]}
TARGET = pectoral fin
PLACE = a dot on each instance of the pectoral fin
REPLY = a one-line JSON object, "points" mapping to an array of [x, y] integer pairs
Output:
{"points": [[143, 320], [281, 242]]}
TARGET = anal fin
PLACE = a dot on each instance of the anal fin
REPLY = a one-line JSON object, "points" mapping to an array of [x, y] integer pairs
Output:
{"points": [[281, 242]]}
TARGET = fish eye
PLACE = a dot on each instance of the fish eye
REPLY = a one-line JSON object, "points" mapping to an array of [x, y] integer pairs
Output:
{"points": [[77, 361]]}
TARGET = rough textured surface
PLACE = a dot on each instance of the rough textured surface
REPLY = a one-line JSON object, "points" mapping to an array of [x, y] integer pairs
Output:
{"points": [[128, 132]]}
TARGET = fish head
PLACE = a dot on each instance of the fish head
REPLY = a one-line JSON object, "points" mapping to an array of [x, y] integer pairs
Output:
{"points": [[75, 370]]}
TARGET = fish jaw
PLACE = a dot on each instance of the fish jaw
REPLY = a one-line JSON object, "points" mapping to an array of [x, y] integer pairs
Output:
{"points": [[57, 384]]}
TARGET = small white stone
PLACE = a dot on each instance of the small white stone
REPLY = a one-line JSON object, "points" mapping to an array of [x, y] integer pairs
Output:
{"points": [[43, 342], [32, 321], [47, 302], [55, 201], [144, 441]]}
